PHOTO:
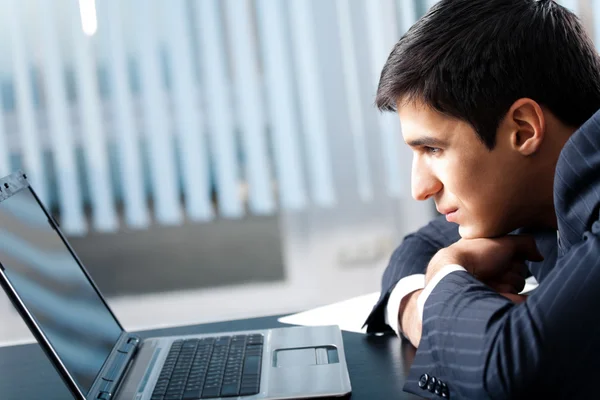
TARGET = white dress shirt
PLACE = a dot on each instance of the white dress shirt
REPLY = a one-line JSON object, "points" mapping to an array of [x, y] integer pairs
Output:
{"points": [[404, 287]]}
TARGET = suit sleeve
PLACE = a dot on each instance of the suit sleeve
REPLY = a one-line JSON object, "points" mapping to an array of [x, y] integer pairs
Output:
{"points": [[485, 347], [411, 257]]}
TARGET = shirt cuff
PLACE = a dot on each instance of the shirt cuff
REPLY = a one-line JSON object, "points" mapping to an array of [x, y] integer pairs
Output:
{"points": [[530, 285], [404, 287], [448, 269]]}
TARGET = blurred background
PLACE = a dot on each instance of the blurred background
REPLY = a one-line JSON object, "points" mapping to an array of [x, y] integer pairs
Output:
{"points": [[212, 159]]}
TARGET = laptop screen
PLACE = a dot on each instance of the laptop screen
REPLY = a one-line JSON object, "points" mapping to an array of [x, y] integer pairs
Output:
{"points": [[54, 289]]}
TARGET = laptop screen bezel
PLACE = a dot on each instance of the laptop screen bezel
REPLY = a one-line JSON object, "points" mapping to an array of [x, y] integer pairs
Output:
{"points": [[9, 186]]}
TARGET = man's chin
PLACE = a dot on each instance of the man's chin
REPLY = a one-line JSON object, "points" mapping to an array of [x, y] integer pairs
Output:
{"points": [[466, 232], [477, 232]]}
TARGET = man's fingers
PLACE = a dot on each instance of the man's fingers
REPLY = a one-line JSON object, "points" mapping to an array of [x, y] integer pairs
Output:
{"points": [[503, 288], [515, 298], [524, 247], [514, 280], [519, 267], [511, 281]]}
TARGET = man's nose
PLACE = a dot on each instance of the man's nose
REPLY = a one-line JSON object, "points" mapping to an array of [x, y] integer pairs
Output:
{"points": [[424, 184]]}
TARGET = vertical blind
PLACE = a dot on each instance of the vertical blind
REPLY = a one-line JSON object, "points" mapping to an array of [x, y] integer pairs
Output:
{"points": [[133, 112]]}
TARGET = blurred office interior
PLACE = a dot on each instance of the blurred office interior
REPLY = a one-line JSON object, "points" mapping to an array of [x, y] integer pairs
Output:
{"points": [[212, 159]]}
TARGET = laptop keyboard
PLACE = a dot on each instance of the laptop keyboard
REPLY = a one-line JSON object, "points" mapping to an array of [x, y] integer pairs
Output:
{"points": [[226, 366]]}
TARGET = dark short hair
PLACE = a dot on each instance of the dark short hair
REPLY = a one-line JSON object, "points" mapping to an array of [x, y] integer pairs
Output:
{"points": [[472, 59]]}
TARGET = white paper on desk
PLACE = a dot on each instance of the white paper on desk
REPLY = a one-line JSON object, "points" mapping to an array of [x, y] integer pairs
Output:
{"points": [[349, 315]]}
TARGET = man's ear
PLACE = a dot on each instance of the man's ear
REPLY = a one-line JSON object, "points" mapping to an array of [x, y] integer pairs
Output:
{"points": [[527, 126]]}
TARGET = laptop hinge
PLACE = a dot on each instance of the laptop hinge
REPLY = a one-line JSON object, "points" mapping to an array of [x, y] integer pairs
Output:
{"points": [[113, 376]]}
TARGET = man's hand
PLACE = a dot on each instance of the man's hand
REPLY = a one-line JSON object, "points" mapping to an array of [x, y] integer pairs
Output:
{"points": [[510, 281], [496, 262]]}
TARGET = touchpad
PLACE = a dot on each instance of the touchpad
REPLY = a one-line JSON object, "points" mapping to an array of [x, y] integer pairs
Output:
{"points": [[295, 357], [299, 357]]}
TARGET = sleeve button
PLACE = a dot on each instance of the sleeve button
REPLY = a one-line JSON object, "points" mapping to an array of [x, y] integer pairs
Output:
{"points": [[423, 381]]}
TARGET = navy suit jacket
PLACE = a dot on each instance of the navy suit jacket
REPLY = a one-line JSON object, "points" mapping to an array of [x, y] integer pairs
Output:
{"points": [[481, 345]]}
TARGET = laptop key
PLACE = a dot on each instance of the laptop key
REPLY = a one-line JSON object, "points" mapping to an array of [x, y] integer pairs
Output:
{"points": [[192, 394], [160, 390], [223, 341], [255, 339], [175, 388], [211, 392], [249, 384], [252, 365], [212, 382], [230, 390], [248, 390]]}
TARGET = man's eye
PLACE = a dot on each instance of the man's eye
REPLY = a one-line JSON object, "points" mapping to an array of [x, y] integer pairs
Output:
{"points": [[432, 150]]}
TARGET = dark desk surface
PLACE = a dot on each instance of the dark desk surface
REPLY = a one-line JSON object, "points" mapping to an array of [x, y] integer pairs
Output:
{"points": [[378, 365]]}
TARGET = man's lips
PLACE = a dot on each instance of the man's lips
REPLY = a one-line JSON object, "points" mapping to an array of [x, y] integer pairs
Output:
{"points": [[450, 213], [447, 211], [452, 216]]}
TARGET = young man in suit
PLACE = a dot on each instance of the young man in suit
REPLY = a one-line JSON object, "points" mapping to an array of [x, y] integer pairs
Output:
{"points": [[498, 99]]}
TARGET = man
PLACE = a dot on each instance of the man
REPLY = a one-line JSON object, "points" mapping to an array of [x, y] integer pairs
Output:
{"points": [[497, 99]]}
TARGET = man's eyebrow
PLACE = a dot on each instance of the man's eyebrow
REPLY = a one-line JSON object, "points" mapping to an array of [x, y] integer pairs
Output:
{"points": [[427, 141]]}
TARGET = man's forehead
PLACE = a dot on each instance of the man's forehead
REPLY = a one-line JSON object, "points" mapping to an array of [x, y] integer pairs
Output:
{"points": [[419, 122]]}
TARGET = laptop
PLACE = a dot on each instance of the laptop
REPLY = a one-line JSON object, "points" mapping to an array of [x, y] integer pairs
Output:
{"points": [[98, 359]]}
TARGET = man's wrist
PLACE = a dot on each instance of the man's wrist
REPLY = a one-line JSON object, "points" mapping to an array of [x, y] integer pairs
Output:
{"points": [[404, 303], [410, 324], [403, 288], [440, 260]]}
